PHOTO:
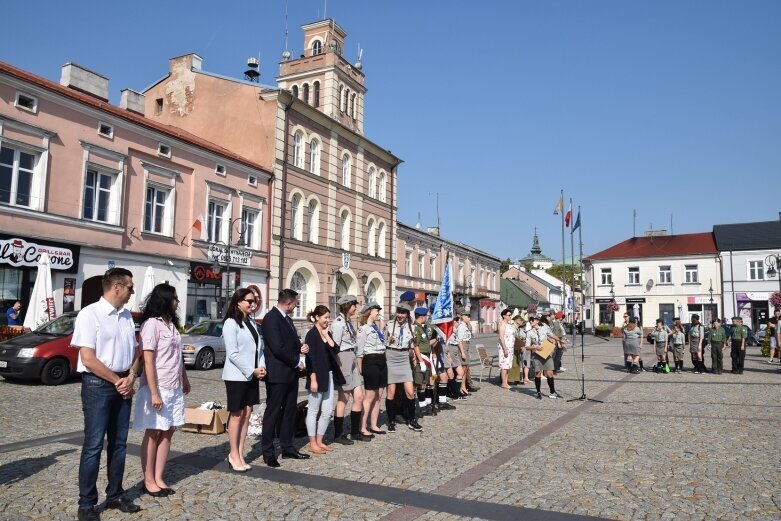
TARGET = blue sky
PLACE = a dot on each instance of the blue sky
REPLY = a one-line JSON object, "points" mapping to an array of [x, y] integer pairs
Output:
{"points": [[666, 107]]}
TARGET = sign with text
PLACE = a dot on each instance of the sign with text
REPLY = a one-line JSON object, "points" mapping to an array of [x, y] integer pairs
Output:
{"points": [[204, 274], [23, 253], [219, 254]]}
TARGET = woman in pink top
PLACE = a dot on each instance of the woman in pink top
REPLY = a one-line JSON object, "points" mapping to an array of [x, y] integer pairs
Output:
{"points": [[160, 398]]}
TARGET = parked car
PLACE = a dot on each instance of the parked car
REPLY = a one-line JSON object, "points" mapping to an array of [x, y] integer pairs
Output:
{"points": [[202, 345], [45, 354]]}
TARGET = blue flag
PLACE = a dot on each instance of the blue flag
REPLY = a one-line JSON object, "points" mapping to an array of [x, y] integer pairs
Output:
{"points": [[443, 307], [577, 222]]}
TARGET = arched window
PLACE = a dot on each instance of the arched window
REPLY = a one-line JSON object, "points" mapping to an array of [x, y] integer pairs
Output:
{"points": [[341, 287], [382, 187], [346, 170], [294, 90], [314, 157], [372, 184], [371, 237], [345, 230], [298, 143], [305, 96], [298, 284], [381, 240], [317, 47], [295, 217], [371, 292], [346, 95], [339, 96], [312, 220], [316, 94], [352, 105]]}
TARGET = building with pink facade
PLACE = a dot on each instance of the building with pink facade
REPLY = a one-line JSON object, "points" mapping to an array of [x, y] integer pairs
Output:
{"points": [[98, 185], [422, 259], [333, 194]]}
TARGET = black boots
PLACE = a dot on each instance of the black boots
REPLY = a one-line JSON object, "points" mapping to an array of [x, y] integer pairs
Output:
{"points": [[390, 410]]}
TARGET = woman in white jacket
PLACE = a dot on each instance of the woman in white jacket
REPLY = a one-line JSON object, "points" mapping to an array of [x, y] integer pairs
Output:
{"points": [[244, 367]]}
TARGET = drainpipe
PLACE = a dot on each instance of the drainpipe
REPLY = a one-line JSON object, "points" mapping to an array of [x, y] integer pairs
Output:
{"points": [[732, 283]]}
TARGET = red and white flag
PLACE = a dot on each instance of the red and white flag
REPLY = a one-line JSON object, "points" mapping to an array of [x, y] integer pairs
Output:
{"points": [[200, 226], [568, 216]]}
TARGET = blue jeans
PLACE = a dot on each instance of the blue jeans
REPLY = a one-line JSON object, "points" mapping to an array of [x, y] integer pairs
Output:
{"points": [[106, 414]]}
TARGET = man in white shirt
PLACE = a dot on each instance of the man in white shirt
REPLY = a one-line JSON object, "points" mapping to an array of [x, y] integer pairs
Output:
{"points": [[109, 357]]}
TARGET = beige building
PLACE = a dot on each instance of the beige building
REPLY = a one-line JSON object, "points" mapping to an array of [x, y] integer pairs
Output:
{"points": [[97, 186], [333, 191], [422, 259]]}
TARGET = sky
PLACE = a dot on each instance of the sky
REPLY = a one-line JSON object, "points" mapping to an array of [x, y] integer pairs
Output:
{"points": [[671, 108]]}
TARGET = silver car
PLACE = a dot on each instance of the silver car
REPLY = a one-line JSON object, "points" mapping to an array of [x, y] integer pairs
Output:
{"points": [[202, 345]]}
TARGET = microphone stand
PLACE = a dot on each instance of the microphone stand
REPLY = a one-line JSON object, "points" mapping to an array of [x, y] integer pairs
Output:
{"points": [[583, 397]]}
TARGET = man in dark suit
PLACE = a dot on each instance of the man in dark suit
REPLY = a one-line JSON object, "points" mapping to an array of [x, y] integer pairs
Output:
{"points": [[282, 349]]}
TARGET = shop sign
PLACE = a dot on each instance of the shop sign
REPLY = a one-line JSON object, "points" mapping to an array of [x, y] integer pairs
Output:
{"points": [[635, 300], [203, 274], [21, 253], [218, 253], [753, 295]]}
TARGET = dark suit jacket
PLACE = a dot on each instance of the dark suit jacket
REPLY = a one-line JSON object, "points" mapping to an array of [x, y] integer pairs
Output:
{"points": [[282, 348]]}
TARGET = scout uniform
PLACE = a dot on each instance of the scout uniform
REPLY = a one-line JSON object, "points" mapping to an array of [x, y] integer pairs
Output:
{"points": [[696, 335], [738, 343], [678, 340], [346, 337], [421, 372], [660, 341], [717, 337]]}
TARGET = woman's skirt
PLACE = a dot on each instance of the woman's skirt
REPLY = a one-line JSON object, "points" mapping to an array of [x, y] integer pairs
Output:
{"points": [[349, 368], [399, 367], [242, 394], [171, 415]]}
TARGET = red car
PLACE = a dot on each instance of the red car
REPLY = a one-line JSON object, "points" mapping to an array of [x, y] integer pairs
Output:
{"points": [[44, 354]]}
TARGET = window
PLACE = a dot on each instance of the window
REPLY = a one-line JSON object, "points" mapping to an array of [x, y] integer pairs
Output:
{"points": [[346, 164], [339, 98], [294, 90], [163, 150], [314, 157], [408, 263], [214, 220], [252, 180], [691, 274], [106, 130], [382, 187], [372, 184], [421, 266], [305, 95], [755, 271], [345, 230], [295, 217], [633, 275], [665, 275], [250, 228], [97, 196], [26, 102], [316, 94], [158, 106], [17, 176], [220, 170], [371, 292], [156, 210], [298, 143], [381, 240], [607, 276], [432, 267], [317, 47], [371, 234], [312, 216], [352, 106], [298, 284], [345, 96]]}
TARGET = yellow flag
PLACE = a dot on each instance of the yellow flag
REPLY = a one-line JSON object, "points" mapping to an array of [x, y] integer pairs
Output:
{"points": [[559, 206]]}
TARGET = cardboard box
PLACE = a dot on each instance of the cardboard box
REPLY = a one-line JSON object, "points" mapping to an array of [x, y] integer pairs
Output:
{"points": [[205, 421]]}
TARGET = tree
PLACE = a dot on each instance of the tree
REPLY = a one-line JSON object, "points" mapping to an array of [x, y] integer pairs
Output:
{"points": [[505, 265], [528, 265], [565, 273]]}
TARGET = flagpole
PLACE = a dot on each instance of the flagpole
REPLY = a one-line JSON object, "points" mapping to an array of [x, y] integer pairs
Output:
{"points": [[563, 252], [572, 263]]}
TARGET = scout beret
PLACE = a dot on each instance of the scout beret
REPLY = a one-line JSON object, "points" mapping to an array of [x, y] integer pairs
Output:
{"points": [[421, 312], [559, 314], [407, 296], [347, 299]]}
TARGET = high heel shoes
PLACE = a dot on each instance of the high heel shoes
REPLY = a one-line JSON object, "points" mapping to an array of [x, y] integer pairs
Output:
{"points": [[159, 493], [234, 468]]}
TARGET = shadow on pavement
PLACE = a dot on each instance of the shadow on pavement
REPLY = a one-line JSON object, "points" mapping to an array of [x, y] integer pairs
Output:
{"points": [[18, 470]]}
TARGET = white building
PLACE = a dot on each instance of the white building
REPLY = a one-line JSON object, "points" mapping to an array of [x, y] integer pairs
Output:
{"points": [[654, 277], [748, 252]]}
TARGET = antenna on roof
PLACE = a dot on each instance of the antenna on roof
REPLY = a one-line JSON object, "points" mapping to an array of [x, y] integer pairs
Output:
{"points": [[359, 64], [286, 53], [325, 9]]}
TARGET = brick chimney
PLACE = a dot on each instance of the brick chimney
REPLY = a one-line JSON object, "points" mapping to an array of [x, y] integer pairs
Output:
{"points": [[84, 80]]}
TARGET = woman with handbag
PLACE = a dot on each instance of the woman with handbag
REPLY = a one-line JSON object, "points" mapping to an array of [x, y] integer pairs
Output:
{"points": [[244, 367], [322, 374], [160, 399]]}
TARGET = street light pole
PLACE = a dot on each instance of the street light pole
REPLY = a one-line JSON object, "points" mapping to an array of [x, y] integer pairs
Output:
{"points": [[773, 263], [225, 285]]}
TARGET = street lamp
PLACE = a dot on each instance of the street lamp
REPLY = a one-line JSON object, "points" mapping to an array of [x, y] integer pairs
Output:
{"points": [[225, 284], [710, 308], [773, 263], [612, 293]]}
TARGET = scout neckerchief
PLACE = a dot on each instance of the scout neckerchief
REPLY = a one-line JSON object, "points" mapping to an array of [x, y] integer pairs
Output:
{"points": [[379, 333]]}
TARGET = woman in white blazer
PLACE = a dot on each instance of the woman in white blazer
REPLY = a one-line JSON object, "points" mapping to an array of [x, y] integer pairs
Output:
{"points": [[244, 367]]}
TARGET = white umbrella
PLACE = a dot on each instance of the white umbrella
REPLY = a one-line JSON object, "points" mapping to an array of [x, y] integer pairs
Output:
{"points": [[146, 287], [40, 309]]}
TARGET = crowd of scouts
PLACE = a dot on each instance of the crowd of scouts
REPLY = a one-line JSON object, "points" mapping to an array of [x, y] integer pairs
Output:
{"points": [[697, 339]]}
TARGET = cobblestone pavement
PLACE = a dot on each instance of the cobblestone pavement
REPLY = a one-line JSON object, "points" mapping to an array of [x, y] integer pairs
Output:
{"points": [[660, 447]]}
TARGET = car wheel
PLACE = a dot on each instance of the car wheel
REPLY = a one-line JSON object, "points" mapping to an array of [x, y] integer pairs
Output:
{"points": [[205, 359], [55, 372]]}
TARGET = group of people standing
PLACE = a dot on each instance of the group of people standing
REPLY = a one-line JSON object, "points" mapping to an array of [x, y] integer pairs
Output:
{"points": [[520, 349]]}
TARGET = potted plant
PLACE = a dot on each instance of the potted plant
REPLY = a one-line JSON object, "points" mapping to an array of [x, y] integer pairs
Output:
{"points": [[602, 330]]}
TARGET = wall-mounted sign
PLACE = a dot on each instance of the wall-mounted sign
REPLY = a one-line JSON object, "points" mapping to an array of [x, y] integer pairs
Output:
{"points": [[635, 300], [219, 254], [204, 274], [23, 253]]}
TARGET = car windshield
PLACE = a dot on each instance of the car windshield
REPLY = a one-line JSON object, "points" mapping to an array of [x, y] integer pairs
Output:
{"points": [[207, 327], [60, 326]]}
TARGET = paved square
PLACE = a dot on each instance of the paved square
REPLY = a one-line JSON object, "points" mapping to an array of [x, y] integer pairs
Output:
{"points": [[660, 447]]}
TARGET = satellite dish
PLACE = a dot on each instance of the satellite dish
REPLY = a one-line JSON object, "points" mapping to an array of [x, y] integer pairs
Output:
{"points": [[649, 284]]}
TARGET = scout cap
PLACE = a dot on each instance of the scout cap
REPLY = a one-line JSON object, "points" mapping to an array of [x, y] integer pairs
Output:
{"points": [[347, 299], [402, 308], [370, 305], [421, 312]]}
